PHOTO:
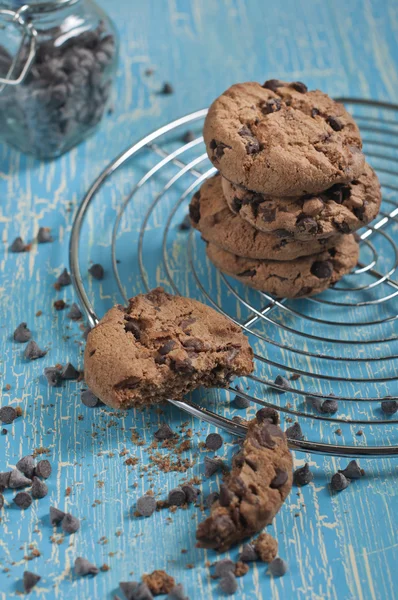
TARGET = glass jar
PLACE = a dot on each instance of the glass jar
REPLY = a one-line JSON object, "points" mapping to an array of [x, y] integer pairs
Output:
{"points": [[57, 63]]}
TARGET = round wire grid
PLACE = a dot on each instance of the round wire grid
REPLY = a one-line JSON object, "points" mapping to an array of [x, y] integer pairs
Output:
{"points": [[341, 344]]}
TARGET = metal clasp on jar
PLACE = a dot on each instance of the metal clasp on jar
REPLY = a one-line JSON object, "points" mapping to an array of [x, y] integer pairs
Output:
{"points": [[28, 33]]}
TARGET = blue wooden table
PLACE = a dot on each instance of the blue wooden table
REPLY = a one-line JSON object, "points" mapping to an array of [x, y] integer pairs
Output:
{"points": [[337, 546]]}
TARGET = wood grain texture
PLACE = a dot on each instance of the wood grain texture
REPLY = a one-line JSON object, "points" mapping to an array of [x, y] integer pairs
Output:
{"points": [[338, 546]]}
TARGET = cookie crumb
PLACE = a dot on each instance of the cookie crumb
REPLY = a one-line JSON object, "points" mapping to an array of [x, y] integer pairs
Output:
{"points": [[266, 547], [159, 582]]}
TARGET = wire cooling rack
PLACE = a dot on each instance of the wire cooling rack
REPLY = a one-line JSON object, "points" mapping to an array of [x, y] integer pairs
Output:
{"points": [[341, 344]]}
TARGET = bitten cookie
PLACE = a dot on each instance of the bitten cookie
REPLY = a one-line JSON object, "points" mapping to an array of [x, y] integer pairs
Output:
{"points": [[343, 208], [253, 492], [282, 140], [219, 225], [162, 346], [305, 276]]}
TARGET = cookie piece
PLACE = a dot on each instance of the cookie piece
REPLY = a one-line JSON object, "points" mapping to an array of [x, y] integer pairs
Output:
{"points": [[162, 346], [219, 225], [302, 277], [343, 208], [248, 500], [279, 139]]}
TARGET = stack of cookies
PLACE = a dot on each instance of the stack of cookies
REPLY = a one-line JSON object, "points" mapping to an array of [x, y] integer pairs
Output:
{"points": [[292, 187]]}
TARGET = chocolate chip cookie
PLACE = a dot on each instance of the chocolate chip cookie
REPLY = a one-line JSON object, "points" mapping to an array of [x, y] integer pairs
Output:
{"points": [[343, 208], [280, 139], [302, 277], [162, 346], [219, 225], [254, 490]]}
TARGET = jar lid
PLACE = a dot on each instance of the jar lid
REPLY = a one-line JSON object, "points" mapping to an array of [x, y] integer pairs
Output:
{"points": [[38, 5]]}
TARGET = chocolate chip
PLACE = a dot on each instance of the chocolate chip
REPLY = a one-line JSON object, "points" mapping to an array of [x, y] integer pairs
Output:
{"points": [[89, 399], [352, 470], [29, 581], [247, 273], [184, 365], [226, 495], [214, 441], [18, 245], [1, 501], [314, 112], [4, 431], [176, 497], [248, 553], [339, 482], [303, 475], [188, 136], [44, 235], [8, 414], [280, 479], [26, 465], [177, 593], [146, 505], [218, 149], [53, 376], [299, 86], [211, 498], [282, 382], [129, 589], [5, 480], [359, 211], [223, 566], [167, 89], [64, 279], [267, 414], [75, 313], [69, 372], [236, 204], [278, 567], [294, 432], [265, 435], [389, 407], [18, 480], [23, 500], [194, 209], [335, 123], [329, 407], [132, 326], [164, 432], [70, 524], [167, 347], [97, 271], [195, 344], [59, 304], [252, 143], [273, 84], [271, 106], [39, 489], [323, 269], [56, 515], [240, 402], [191, 493], [212, 465], [185, 224], [229, 584], [306, 224], [22, 334], [84, 567], [43, 469], [33, 352]]}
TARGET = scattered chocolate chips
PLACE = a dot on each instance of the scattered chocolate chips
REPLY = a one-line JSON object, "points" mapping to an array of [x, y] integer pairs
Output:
{"points": [[129, 589], [177, 593], [339, 482], [69, 372], [167, 89], [278, 567], [84, 567], [268, 414], [5, 480], [8, 414], [44, 235], [241, 402], [59, 304], [211, 498], [4, 431], [214, 441], [248, 553], [164, 432], [323, 269], [188, 136], [53, 376], [335, 123], [23, 500], [29, 581], [303, 475], [280, 479], [299, 86], [352, 470], [329, 407], [273, 84], [56, 515], [294, 432], [26, 465], [212, 465], [223, 566], [97, 271], [63, 280], [191, 493], [39, 489], [88, 398], [282, 382], [176, 497], [22, 334], [43, 469], [17, 245], [18, 480], [185, 224], [146, 505], [389, 407], [75, 313], [229, 583], [33, 352], [70, 524]]}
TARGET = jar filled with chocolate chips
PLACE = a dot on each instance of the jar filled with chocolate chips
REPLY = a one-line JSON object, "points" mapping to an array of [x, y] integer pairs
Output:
{"points": [[57, 63]]}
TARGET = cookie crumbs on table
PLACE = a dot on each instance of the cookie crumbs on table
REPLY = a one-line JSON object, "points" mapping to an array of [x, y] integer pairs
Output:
{"points": [[266, 547], [159, 582]]}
